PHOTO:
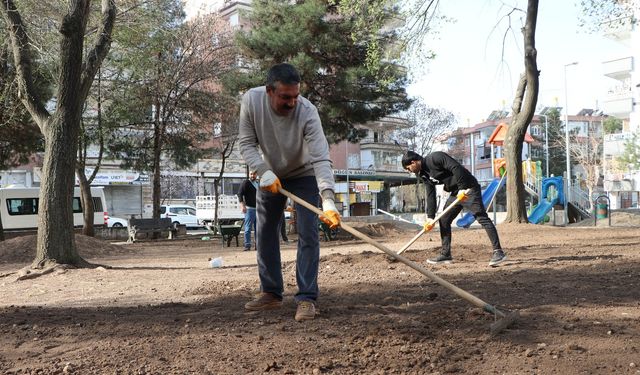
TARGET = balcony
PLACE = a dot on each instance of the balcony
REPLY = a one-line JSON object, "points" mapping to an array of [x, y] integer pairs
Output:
{"points": [[618, 105], [614, 143], [619, 69]]}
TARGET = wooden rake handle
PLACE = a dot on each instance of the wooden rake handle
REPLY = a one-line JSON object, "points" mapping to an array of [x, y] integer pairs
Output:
{"points": [[459, 292], [441, 214]]}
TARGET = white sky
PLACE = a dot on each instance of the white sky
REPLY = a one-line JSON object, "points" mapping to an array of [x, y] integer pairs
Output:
{"points": [[192, 7], [468, 78]]}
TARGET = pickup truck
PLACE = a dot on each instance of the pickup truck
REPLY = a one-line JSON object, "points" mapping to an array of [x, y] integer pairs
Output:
{"points": [[228, 209]]}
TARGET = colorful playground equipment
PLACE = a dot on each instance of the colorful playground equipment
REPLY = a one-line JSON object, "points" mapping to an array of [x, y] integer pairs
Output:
{"points": [[488, 194], [550, 191], [531, 174], [548, 198]]}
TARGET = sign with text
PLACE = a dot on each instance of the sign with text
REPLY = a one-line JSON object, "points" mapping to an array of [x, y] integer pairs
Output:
{"points": [[353, 172]]}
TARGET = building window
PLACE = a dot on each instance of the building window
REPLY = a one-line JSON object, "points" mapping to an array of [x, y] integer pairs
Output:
{"points": [[234, 20], [535, 130]]}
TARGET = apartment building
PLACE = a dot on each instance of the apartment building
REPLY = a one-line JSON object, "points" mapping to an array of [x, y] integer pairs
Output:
{"points": [[365, 172], [471, 147], [621, 182]]}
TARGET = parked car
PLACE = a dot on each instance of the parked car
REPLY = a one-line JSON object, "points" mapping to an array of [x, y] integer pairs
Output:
{"points": [[180, 214], [116, 222]]}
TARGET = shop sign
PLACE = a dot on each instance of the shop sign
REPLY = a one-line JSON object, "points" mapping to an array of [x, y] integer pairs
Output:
{"points": [[115, 177], [353, 172]]}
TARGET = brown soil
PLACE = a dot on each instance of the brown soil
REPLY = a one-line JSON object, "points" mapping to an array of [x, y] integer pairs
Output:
{"points": [[160, 309]]}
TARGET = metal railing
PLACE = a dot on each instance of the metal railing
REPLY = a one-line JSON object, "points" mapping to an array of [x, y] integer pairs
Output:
{"points": [[580, 198]]}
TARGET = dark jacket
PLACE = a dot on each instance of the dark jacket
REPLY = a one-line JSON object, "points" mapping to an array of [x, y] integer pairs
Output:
{"points": [[440, 168], [247, 194]]}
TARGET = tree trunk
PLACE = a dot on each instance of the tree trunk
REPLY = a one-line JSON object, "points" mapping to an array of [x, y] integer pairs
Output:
{"points": [[226, 151], [155, 183], [216, 194], [55, 221], [516, 209], [56, 241], [524, 106], [86, 200]]}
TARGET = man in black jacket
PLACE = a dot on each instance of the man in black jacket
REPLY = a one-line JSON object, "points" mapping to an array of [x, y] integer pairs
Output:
{"points": [[247, 198], [438, 168]]}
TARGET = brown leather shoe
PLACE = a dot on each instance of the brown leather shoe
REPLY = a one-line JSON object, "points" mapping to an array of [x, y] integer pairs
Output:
{"points": [[306, 311], [264, 301]]}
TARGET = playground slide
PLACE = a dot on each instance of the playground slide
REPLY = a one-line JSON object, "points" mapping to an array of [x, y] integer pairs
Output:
{"points": [[488, 193], [541, 210]]}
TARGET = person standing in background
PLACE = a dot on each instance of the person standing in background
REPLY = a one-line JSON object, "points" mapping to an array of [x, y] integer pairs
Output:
{"points": [[283, 229], [247, 197]]}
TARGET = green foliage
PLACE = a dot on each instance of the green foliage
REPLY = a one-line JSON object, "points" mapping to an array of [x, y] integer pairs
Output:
{"points": [[336, 78], [631, 156], [612, 125], [557, 150]]}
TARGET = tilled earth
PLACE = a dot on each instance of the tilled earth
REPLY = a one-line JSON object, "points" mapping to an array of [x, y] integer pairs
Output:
{"points": [[160, 309]]}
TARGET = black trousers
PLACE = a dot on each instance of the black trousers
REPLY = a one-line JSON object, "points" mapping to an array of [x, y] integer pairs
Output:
{"points": [[474, 204]]}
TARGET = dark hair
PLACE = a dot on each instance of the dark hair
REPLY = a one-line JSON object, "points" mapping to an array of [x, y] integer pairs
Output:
{"points": [[283, 73], [409, 157]]}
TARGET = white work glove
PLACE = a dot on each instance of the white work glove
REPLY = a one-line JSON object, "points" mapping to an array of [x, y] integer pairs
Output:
{"points": [[429, 224], [330, 216], [270, 182]]}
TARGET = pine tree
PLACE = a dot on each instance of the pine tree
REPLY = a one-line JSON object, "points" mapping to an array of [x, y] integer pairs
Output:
{"points": [[557, 148], [318, 42]]}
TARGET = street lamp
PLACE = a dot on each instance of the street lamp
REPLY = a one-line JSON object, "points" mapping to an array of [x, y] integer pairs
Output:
{"points": [[566, 132], [546, 142]]}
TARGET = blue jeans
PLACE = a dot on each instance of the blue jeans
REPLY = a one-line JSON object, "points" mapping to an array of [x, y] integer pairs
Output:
{"points": [[270, 209], [249, 223]]}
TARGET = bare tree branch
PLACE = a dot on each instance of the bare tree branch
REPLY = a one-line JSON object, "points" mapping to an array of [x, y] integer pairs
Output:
{"points": [[22, 59], [101, 47]]}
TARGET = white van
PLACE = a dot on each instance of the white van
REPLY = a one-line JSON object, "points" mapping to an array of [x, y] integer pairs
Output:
{"points": [[19, 208]]}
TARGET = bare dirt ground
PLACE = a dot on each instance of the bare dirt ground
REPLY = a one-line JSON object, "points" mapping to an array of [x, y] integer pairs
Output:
{"points": [[160, 308]]}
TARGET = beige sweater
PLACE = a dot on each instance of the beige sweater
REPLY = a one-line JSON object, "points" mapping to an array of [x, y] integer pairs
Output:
{"points": [[292, 146]]}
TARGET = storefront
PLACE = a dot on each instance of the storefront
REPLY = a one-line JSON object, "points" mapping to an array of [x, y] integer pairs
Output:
{"points": [[124, 191], [368, 190]]}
